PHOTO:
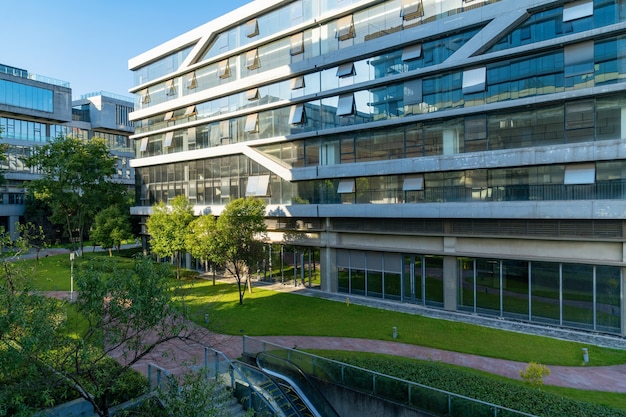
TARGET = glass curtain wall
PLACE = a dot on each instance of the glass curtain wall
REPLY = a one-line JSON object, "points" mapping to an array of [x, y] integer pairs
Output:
{"points": [[571, 295]]}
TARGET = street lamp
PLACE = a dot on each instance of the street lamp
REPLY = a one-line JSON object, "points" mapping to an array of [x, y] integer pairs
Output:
{"points": [[71, 277]]}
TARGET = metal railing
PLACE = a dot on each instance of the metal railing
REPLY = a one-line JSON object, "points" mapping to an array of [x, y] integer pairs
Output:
{"points": [[228, 373], [414, 395]]}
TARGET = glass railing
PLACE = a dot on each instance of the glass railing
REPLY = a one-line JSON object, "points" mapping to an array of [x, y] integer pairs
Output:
{"points": [[107, 94], [416, 396]]}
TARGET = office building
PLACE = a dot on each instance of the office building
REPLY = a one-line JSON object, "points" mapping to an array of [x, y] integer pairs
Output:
{"points": [[463, 155], [35, 109]]}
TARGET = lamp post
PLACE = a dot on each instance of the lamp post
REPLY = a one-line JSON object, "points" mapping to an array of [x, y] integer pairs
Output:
{"points": [[71, 277]]}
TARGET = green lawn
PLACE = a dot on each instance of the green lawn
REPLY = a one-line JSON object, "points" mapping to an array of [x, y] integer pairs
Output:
{"points": [[266, 312]]}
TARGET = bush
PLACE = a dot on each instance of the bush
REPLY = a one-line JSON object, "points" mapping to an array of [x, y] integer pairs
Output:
{"points": [[534, 374], [517, 397]]}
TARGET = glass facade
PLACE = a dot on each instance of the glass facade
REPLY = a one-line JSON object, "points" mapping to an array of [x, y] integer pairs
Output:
{"points": [[337, 105], [561, 294], [26, 96]]}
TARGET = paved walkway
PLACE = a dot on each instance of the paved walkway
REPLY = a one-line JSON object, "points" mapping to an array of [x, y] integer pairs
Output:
{"points": [[178, 355]]}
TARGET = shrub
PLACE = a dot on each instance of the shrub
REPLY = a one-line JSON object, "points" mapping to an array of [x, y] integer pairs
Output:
{"points": [[534, 374]]}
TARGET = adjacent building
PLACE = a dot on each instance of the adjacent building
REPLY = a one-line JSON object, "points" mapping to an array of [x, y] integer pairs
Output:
{"points": [[35, 109], [464, 155]]}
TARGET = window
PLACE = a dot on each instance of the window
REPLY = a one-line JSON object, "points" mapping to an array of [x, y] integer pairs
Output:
{"points": [[144, 145], [192, 82], [577, 9], [413, 183], [412, 9], [252, 28], [168, 116], [190, 111], [345, 187], [145, 97], [252, 123], [578, 59], [223, 69], [258, 186], [224, 129], [170, 88], [580, 174], [412, 52], [345, 28], [297, 115], [413, 92], [346, 106], [346, 70], [169, 136], [476, 128], [474, 80], [297, 44], [297, 82], [252, 59], [252, 94], [191, 135], [579, 115]]}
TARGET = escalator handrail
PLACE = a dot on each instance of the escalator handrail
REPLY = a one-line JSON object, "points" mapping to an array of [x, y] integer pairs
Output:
{"points": [[308, 393], [238, 365]]}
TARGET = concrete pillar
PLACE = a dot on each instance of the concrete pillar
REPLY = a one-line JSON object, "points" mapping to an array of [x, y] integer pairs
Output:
{"points": [[328, 260], [13, 222], [623, 306], [450, 273], [450, 282]]}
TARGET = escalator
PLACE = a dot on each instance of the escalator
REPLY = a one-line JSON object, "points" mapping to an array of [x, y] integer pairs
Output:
{"points": [[304, 395]]}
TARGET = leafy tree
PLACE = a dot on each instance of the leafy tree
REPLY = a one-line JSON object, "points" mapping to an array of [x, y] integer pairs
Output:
{"points": [[198, 239], [31, 236], [39, 212], [111, 227], [29, 323], [168, 227], [75, 181], [237, 240]]}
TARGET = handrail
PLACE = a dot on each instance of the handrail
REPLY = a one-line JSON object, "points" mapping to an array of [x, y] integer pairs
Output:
{"points": [[408, 393], [308, 392], [280, 404]]}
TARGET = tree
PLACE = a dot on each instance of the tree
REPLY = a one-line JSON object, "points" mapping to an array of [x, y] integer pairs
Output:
{"points": [[31, 236], [199, 237], [167, 226], [237, 241], [111, 227], [75, 181]]}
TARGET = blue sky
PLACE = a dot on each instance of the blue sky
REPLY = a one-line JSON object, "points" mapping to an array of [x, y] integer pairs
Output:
{"points": [[89, 42]]}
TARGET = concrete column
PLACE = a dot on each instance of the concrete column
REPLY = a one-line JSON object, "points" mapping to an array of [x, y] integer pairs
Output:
{"points": [[450, 273], [623, 306], [13, 222], [450, 282], [328, 261]]}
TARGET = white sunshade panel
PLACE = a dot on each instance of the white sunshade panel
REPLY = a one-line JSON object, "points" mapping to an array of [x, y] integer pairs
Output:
{"points": [[169, 136], [577, 10], [413, 183], [580, 174], [474, 80], [345, 187], [412, 52]]}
